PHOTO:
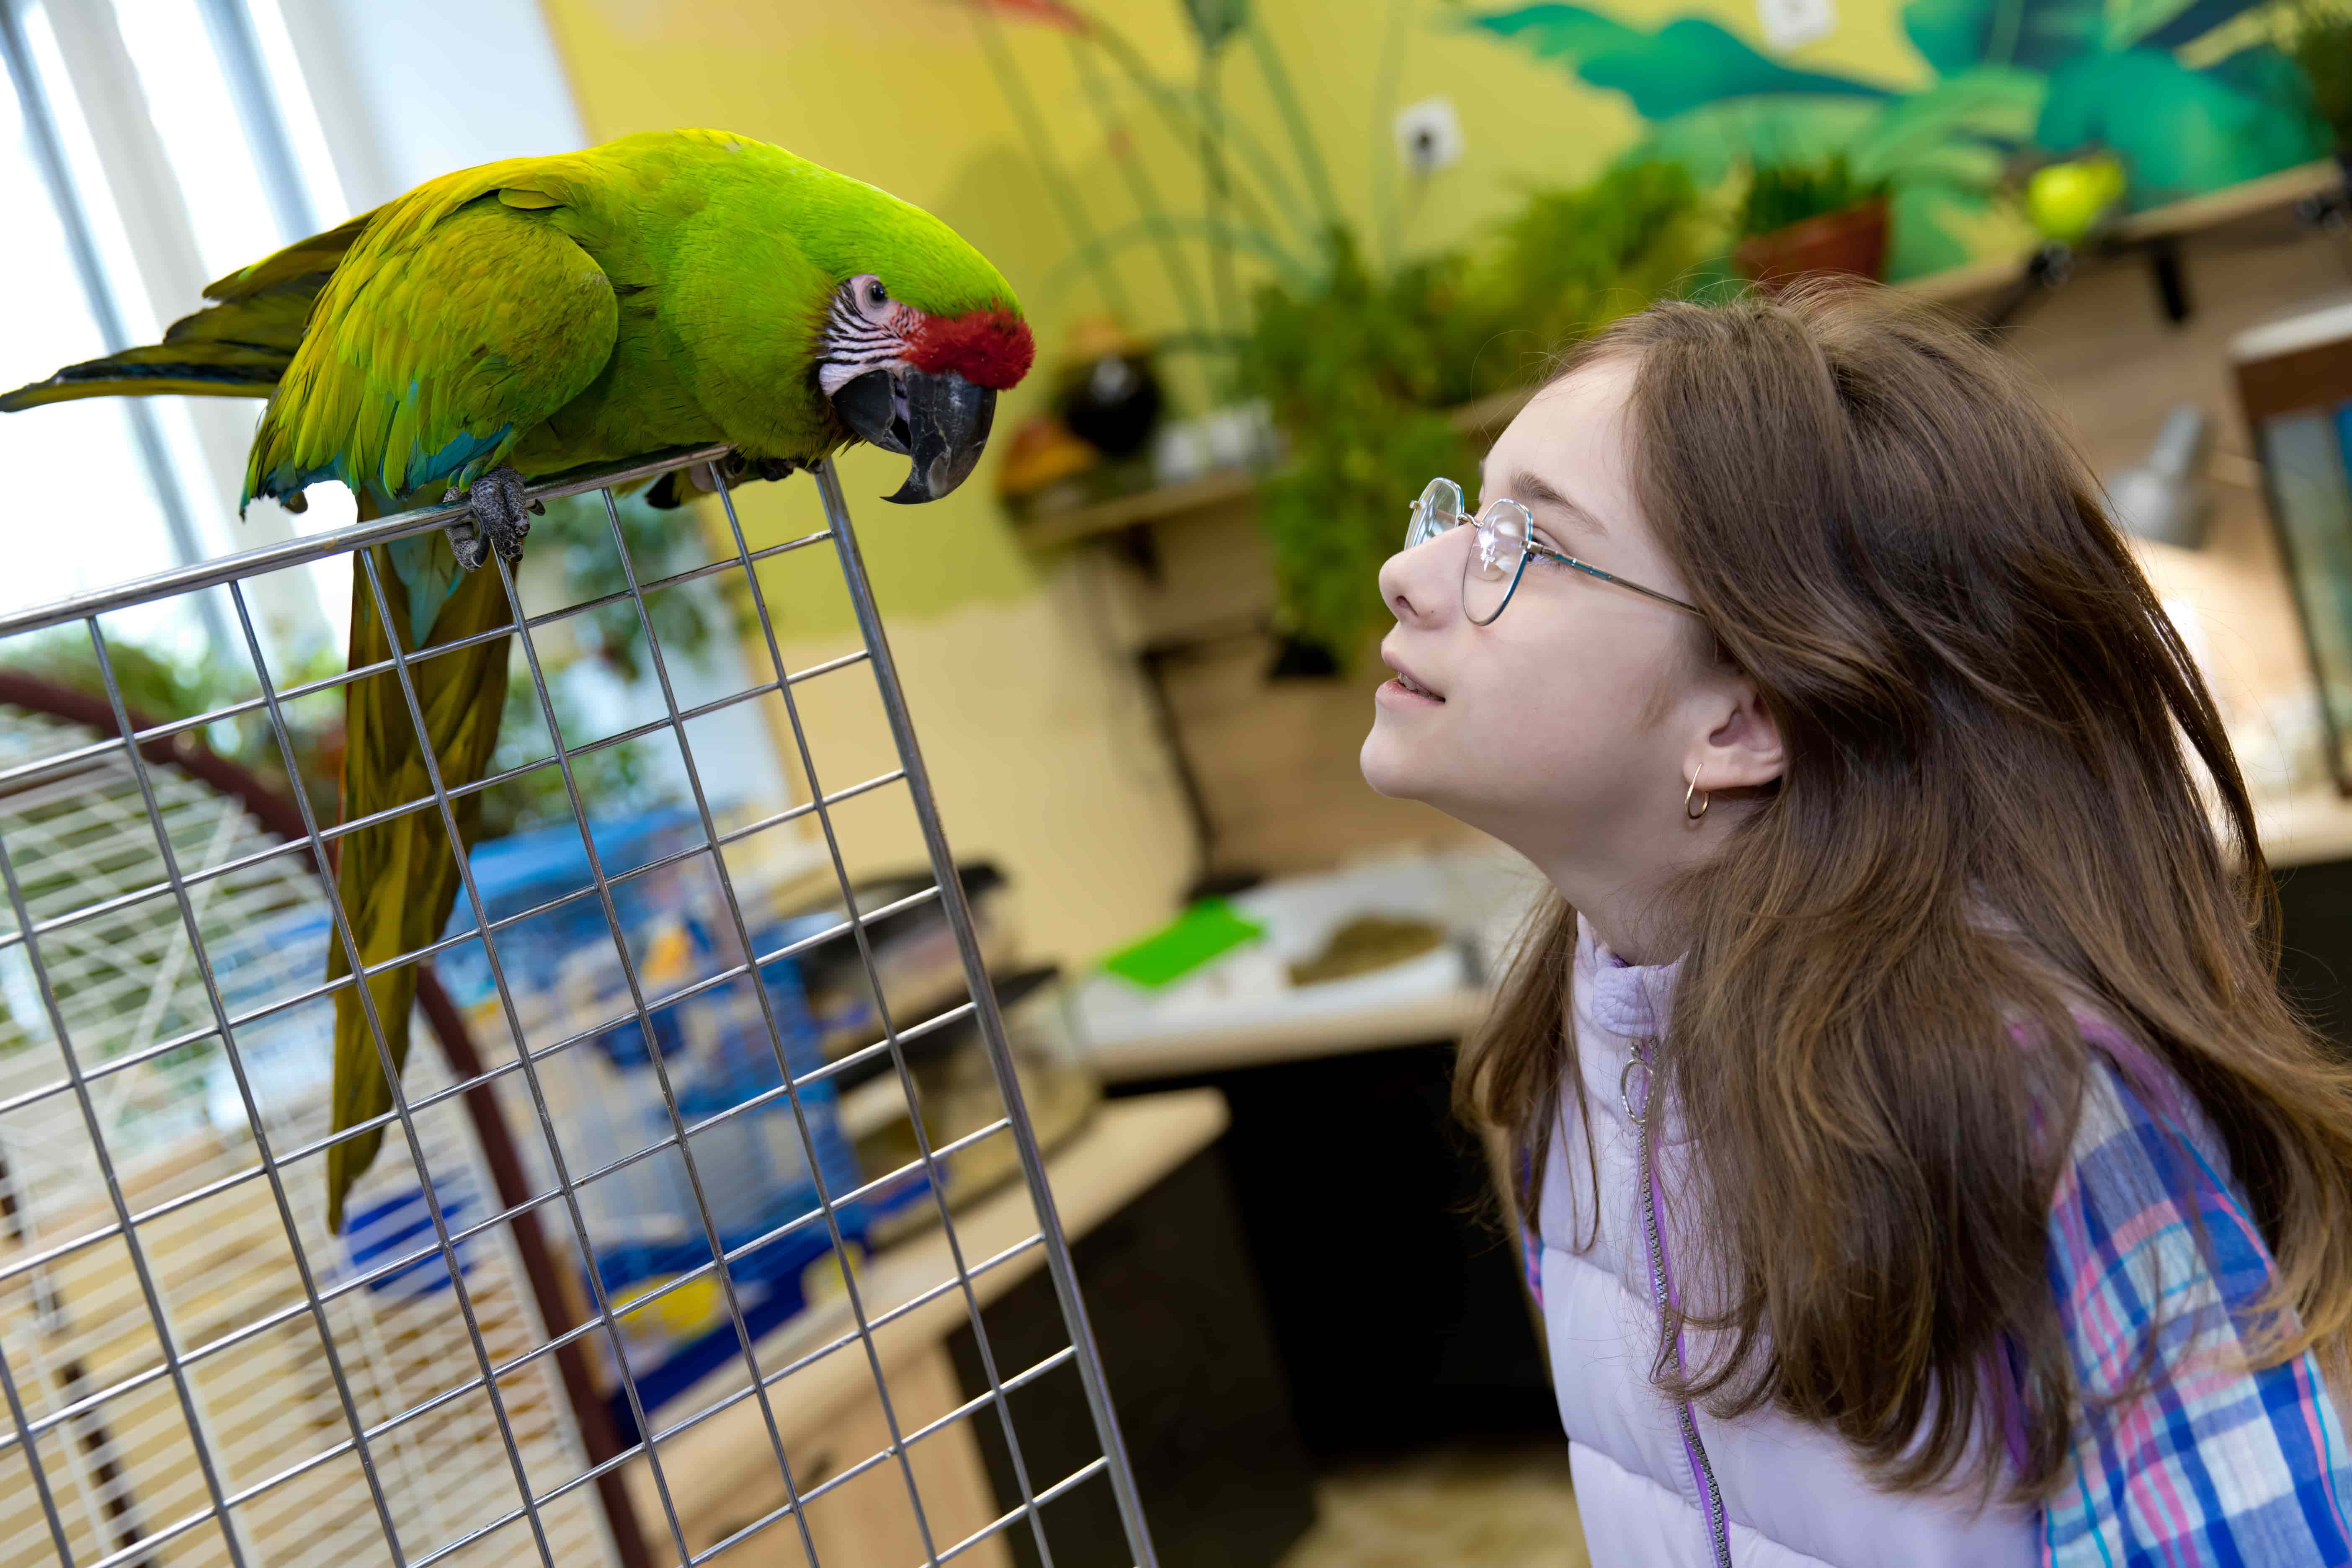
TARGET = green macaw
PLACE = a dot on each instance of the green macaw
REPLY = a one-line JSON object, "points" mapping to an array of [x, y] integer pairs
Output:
{"points": [[521, 319]]}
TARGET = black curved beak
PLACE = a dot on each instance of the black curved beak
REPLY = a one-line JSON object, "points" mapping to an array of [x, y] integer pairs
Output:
{"points": [[939, 422]]}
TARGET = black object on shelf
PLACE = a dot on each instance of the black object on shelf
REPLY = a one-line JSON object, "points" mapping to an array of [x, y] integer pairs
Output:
{"points": [[2045, 271], [2171, 280], [1298, 659], [1113, 402]]}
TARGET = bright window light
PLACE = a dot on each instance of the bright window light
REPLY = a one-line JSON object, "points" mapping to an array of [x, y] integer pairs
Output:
{"points": [[85, 516], [188, 99]]}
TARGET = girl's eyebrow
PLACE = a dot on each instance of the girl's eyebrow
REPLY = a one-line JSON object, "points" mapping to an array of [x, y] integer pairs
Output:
{"points": [[1536, 490]]}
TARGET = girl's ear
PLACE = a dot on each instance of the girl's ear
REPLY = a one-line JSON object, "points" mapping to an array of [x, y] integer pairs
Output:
{"points": [[1744, 749]]}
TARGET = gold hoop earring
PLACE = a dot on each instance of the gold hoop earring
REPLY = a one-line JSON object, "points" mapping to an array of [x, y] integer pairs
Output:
{"points": [[1704, 799]]}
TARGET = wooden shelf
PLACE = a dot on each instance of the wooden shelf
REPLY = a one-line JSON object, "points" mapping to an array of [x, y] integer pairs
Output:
{"points": [[1227, 486], [1060, 525], [2247, 199]]}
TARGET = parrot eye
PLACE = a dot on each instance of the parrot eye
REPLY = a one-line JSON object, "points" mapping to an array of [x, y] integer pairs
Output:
{"points": [[870, 297]]}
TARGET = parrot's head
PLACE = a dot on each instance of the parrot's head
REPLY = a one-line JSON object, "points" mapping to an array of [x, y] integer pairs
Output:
{"points": [[919, 376], [813, 308]]}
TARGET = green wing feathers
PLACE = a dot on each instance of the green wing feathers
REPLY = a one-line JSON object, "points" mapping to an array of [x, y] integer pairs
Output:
{"points": [[237, 347], [236, 350], [302, 267], [457, 323], [453, 323], [398, 879]]}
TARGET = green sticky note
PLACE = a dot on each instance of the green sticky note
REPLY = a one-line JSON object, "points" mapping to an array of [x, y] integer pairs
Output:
{"points": [[1199, 934]]}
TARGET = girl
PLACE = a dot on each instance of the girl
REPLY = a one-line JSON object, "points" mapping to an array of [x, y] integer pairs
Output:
{"points": [[1924, 1166]]}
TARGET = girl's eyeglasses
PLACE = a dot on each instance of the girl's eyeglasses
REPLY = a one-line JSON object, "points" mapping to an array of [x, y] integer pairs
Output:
{"points": [[1499, 556]]}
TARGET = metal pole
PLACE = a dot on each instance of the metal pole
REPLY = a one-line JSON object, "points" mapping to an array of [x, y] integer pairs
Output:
{"points": [[1058, 1263], [230, 23]]}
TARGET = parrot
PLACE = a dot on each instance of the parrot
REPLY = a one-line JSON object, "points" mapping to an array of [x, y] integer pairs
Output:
{"points": [[529, 317]]}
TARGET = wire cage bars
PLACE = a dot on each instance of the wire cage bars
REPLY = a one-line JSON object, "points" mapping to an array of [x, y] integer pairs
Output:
{"points": [[485, 1366]]}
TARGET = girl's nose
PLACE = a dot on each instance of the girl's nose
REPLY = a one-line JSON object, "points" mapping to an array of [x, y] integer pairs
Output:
{"points": [[1417, 583]]}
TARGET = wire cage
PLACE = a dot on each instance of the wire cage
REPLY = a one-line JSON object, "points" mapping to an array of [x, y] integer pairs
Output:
{"points": [[485, 1366]]}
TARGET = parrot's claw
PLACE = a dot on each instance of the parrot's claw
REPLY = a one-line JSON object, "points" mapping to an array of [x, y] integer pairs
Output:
{"points": [[502, 519]]}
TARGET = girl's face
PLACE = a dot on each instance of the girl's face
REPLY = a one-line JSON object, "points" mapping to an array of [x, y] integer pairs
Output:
{"points": [[1568, 726]]}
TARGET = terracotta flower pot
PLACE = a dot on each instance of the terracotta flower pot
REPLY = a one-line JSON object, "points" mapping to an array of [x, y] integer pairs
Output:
{"points": [[1852, 240]]}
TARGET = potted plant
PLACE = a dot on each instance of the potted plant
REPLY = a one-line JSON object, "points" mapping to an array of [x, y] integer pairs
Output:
{"points": [[1807, 217], [1365, 374]]}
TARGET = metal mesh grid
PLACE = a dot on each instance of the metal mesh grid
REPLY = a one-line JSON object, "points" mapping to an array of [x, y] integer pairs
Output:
{"points": [[196, 1371]]}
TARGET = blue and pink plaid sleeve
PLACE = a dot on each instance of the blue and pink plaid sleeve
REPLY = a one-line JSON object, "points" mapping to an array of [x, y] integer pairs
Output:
{"points": [[2213, 1463]]}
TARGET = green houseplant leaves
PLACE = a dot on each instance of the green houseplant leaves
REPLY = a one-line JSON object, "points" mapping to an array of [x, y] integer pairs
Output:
{"points": [[1360, 371]]}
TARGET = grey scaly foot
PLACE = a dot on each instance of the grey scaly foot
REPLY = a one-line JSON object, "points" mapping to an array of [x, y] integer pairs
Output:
{"points": [[501, 521]]}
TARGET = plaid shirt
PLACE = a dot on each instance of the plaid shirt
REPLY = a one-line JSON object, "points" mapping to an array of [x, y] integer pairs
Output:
{"points": [[2212, 1465]]}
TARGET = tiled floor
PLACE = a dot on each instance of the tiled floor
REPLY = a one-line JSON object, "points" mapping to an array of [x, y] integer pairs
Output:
{"points": [[1448, 1510]]}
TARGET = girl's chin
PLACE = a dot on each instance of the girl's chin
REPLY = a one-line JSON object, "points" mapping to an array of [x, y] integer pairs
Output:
{"points": [[1391, 769]]}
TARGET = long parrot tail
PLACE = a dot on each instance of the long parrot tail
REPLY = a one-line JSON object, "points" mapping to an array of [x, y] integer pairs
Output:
{"points": [[236, 347], [398, 879]]}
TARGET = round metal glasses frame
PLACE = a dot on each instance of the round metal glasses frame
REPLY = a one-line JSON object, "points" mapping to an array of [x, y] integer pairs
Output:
{"points": [[1498, 557]]}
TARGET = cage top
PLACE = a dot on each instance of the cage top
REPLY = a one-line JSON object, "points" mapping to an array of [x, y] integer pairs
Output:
{"points": [[320, 546]]}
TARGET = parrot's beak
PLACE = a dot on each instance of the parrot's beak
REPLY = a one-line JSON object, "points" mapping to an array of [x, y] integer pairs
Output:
{"points": [[940, 421]]}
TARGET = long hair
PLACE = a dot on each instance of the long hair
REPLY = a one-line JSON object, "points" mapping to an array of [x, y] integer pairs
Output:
{"points": [[1989, 817]]}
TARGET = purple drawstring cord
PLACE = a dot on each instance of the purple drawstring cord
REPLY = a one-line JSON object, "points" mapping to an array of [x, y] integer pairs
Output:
{"points": [[1674, 1299]]}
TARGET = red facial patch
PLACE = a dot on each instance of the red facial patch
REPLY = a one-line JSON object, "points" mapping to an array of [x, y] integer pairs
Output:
{"points": [[987, 348]]}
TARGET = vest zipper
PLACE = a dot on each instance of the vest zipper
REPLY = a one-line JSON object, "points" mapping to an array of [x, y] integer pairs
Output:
{"points": [[1718, 1527]]}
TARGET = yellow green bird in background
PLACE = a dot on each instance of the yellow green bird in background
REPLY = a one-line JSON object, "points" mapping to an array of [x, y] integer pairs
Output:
{"points": [[521, 319]]}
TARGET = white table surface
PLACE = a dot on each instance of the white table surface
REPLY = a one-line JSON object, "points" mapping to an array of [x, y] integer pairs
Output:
{"points": [[1241, 1010]]}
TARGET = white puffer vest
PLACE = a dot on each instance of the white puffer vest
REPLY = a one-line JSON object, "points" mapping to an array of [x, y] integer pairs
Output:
{"points": [[1656, 1486]]}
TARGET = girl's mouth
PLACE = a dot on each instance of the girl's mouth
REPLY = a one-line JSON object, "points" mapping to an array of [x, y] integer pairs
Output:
{"points": [[1403, 688]]}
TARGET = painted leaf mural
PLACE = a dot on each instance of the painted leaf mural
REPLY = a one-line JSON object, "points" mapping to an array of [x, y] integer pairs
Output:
{"points": [[2031, 35], [2055, 77], [1683, 65]]}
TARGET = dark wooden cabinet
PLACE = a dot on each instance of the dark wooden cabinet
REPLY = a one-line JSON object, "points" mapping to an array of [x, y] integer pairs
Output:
{"points": [[1395, 1301], [2316, 961], [1193, 1370]]}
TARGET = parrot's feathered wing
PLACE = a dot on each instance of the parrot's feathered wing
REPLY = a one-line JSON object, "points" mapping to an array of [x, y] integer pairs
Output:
{"points": [[667, 290], [452, 326], [239, 347]]}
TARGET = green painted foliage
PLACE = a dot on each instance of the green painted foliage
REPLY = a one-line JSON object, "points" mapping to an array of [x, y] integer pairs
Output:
{"points": [[2029, 34], [1683, 65], [2183, 132], [2041, 77]]}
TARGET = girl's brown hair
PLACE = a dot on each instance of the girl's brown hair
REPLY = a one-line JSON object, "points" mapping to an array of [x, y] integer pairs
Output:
{"points": [[1991, 814]]}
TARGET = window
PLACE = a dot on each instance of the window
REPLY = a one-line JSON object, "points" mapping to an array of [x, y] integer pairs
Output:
{"points": [[150, 146], [146, 147]]}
